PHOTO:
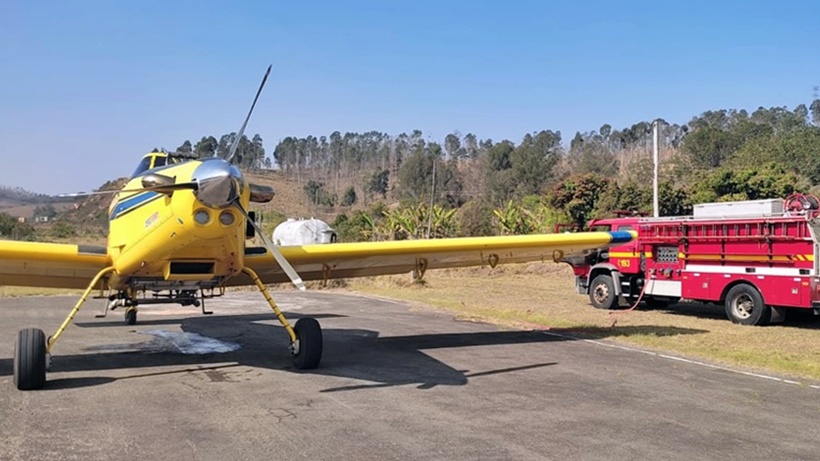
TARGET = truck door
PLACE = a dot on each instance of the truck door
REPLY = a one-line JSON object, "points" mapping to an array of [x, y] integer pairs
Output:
{"points": [[627, 257]]}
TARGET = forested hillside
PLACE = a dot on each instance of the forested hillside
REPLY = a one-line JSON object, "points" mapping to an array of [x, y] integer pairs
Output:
{"points": [[382, 185], [377, 185]]}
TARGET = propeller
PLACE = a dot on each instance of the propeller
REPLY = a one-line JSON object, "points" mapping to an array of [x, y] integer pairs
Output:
{"points": [[260, 193], [235, 143], [280, 258]]}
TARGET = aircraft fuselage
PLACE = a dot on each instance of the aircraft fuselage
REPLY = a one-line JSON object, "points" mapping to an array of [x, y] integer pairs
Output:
{"points": [[185, 237]]}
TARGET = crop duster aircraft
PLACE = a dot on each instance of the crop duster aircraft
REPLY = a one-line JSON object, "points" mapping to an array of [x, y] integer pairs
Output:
{"points": [[177, 233]]}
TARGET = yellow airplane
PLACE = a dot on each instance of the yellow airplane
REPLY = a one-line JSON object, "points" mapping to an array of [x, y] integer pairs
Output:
{"points": [[177, 233]]}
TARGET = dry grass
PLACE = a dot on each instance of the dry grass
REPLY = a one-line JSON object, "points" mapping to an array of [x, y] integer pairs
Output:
{"points": [[543, 296]]}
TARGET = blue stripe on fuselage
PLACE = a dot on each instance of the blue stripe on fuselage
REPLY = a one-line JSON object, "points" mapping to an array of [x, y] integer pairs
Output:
{"points": [[621, 236], [132, 203]]}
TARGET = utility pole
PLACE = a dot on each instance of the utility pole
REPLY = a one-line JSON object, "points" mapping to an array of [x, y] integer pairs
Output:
{"points": [[655, 155], [432, 199]]}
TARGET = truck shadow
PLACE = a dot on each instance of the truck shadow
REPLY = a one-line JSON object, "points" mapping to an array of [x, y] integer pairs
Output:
{"points": [[796, 318]]}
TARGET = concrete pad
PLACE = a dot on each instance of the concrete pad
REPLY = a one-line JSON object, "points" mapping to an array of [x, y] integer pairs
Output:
{"points": [[395, 383]]}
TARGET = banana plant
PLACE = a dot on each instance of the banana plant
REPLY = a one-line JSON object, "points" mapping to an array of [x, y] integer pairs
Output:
{"points": [[514, 219]]}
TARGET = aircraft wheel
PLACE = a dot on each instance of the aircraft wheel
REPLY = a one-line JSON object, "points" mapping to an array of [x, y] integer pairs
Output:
{"points": [[131, 316], [602, 292], [30, 359], [307, 351]]}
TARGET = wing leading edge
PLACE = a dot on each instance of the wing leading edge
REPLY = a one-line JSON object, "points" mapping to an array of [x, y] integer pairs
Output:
{"points": [[343, 260], [52, 265], [57, 265]]}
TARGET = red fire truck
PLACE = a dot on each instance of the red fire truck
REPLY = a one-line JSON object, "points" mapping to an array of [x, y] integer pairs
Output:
{"points": [[756, 258]]}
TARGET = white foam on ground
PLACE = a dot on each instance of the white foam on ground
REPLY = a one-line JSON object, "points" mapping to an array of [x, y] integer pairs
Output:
{"points": [[188, 343]]}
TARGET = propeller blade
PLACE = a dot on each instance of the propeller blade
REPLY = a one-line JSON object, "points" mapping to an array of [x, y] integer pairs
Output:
{"points": [[280, 259], [235, 143], [162, 189]]}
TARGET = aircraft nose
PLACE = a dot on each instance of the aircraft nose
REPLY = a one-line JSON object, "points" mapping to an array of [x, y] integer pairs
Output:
{"points": [[218, 183]]}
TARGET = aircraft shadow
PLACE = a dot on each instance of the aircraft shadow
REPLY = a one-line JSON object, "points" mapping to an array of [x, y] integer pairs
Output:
{"points": [[371, 360]]}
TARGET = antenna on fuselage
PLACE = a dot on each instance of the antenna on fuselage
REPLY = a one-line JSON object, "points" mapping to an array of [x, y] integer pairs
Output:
{"points": [[235, 143]]}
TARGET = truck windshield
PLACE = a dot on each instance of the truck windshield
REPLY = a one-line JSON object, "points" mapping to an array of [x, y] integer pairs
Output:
{"points": [[600, 228]]}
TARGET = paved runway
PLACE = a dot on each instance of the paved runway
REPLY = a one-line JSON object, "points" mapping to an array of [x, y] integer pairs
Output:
{"points": [[395, 383]]}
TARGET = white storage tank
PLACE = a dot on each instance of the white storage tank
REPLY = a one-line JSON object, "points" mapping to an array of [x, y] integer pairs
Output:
{"points": [[746, 208], [303, 232]]}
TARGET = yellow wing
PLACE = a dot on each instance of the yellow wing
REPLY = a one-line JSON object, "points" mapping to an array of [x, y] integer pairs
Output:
{"points": [[341, 260], [54, 265]]}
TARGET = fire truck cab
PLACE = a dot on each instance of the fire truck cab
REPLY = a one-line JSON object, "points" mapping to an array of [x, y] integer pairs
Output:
{"points": [[756, 258]]}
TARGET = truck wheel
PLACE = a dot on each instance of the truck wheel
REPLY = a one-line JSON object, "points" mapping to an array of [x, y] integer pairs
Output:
{"points": [[745, 306], [602, 292]]}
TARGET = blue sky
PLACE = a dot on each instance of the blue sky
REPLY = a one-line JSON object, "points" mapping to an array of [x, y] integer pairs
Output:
{"points": [[90, 86]]}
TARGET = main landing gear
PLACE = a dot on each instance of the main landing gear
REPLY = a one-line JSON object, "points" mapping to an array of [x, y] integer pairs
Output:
{"points": [[305, 337], [32, 350]]}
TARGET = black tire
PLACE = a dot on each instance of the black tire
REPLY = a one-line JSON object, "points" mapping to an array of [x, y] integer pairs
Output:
{"points": [[744, 305], [602, 292], [130, 316], [309, 351], [30, 359]]}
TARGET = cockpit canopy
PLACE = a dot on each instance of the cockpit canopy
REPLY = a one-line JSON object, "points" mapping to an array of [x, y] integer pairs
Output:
{"points": [[155, 160]]}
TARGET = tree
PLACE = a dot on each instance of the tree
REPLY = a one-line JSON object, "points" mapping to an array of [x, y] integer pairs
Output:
{"points": [[349, 197], [475, 219], [709, 146], [378, 182], [588, 153], [185, 148], [452, 145], [533, 161], [770, 180], [578, 196], [796, 151], [46, 211], [317, 194], [63, 230], [815, 112], [206, 147], [500, 181], [471, 149], [672, 201], [7, 223], [499, 156]]}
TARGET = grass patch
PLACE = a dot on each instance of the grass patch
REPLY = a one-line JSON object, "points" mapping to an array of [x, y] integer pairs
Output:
{"points": [[543, 296]]}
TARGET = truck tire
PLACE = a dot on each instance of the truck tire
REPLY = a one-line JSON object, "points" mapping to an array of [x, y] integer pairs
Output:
{"points": [[602, 292], [745, 306]]}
